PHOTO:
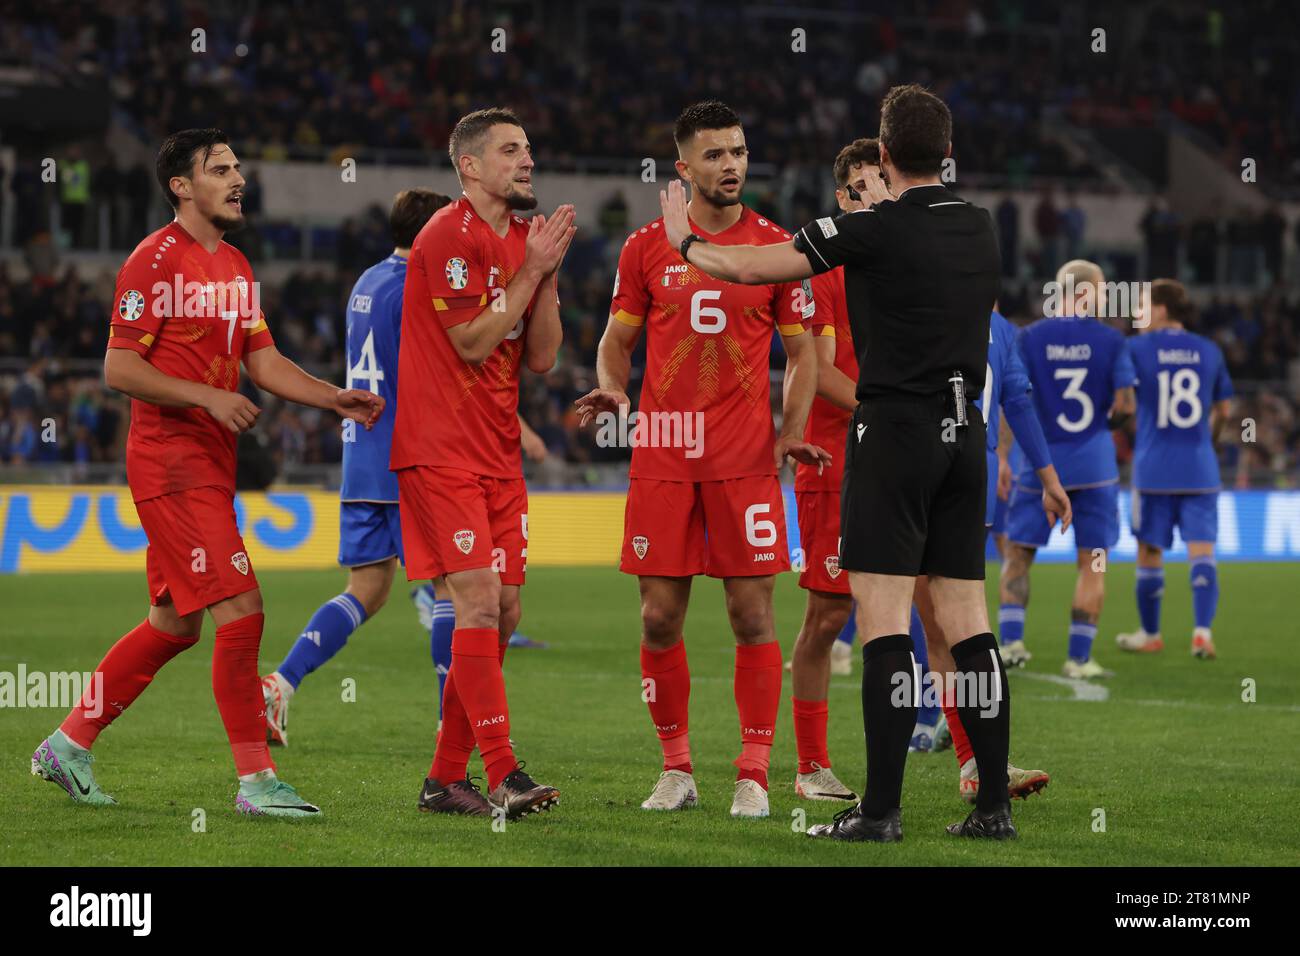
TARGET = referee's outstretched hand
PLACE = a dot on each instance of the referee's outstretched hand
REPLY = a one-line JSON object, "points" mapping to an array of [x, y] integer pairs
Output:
{"points": [[801, 451]]}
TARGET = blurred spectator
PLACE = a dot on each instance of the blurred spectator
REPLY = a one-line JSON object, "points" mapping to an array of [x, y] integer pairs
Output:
{"points": [[1047, 223]]}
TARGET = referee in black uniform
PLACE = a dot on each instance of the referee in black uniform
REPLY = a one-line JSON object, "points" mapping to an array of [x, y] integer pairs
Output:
{"points": [[913, 496]]}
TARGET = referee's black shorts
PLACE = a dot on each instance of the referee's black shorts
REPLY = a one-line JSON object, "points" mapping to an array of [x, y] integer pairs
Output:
{"points": [[914, 484]]}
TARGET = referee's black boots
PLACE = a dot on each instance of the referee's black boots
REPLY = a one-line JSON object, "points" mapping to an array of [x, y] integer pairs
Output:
{"points": [[852, 825], [993, 825]]}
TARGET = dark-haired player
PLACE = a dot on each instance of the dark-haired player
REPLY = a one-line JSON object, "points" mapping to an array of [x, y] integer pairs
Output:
{"points": [[707, 502], [186, 317], [1184, 396], [370, 531], [480, 301]]}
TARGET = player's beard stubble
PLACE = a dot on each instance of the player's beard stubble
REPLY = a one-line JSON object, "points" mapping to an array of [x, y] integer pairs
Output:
{"points": [[519, 201], [716, 197]]}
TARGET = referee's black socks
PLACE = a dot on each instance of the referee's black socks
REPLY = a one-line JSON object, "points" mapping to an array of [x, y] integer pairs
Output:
{"points": [[984, 705], [891, 692]]}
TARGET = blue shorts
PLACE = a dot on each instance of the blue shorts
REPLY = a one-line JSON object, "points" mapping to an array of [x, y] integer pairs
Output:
{"points": [[1155, 515], [369, 532], [1096, 517], [995, 509]]}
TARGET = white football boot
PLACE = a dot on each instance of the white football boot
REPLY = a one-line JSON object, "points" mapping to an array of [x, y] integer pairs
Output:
{"points": [[841, 659], [1085, 671], [821, 784], [1014, 654], [674, 791], [1140, 642], [276, 692], [750, 800]]}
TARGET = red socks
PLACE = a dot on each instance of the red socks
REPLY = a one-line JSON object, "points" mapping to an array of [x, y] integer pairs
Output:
{"points": [[476, 661], [810, 733], [238, 691], [666, 686], [126, 670], [455, 740], [960, 742], [758, 697]]}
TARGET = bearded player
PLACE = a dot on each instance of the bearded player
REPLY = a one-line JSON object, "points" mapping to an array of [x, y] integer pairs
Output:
{"points": [[479, 301], [817, 491], [186, 317], [712, 506]]}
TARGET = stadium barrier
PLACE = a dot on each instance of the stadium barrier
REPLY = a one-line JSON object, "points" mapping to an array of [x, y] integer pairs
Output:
{"points": [[95, 528]]}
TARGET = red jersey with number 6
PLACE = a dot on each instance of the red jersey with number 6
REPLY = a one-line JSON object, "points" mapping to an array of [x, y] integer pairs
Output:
{"points": [[192, 314], [705, 412], [829, 424], [452, 414]]}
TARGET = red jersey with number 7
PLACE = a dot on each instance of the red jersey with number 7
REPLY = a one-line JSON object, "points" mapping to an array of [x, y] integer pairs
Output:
{"points": [[195, 315], [452, 414], [705, 412]]}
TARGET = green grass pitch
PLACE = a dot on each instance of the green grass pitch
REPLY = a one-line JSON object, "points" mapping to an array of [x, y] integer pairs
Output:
{"points": [[1185, 772]]}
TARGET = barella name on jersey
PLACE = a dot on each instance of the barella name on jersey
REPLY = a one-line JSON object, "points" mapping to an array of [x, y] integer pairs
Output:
{"points": [[1178, 357], [237, 298]]}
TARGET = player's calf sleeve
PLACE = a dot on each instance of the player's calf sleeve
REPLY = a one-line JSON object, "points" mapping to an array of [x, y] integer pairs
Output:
{"points": [[891, 691], [1011, 622], [810, 717], [1150, 589], [126, 670], [444, 623], [927, 713], [984, 705], [482, 690], [238, 691], [1204, 575], [323, 637], [1082, 634], [666, 688], [849, 631], [757, 687], [960, 742], [455, 739]]}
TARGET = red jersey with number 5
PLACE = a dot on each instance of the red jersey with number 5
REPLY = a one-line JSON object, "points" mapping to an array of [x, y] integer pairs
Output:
{"points": [[829, 424], [192, 314], [708, 351], [450, 413]]}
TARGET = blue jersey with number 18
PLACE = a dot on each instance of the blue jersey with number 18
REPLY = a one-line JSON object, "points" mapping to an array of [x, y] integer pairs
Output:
{"points": [[1180, 376], [1075, 365], [374, 328]]}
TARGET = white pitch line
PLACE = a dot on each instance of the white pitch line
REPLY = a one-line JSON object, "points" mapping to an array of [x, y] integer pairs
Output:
{"points": [[1083, 690]]}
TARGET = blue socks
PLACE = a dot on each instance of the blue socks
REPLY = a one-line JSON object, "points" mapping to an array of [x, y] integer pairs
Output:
{"points": [[1011, 623], [444, 623], [1204, 576], [927, 715], [1081, 638], [1150, 589], [323, 637]]}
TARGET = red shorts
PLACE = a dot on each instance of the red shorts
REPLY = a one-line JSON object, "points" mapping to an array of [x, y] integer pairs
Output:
{"points": [[454, 520], [819, 533], [196, 556], [733, 528]]}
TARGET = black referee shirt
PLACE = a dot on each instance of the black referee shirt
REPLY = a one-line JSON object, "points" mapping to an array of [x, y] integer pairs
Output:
{"points": [[928, 265]]}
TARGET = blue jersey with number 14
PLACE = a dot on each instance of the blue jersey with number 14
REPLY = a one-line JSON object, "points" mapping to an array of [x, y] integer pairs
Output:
{"points": [[374, 329], [1180, 376], [1075, 365]]}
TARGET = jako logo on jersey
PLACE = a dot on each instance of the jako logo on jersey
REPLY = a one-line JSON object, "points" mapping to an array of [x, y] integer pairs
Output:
{"points": [[457, 273], [131, 307], [833, 565], [490, 721], [756, 731], [640, 544], [464, 540], [239, 561]]}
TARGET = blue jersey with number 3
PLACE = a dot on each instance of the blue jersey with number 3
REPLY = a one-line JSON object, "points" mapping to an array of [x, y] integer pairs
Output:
{"points": [[1180, 376], [374, 328], [1004, 378], [1075, 365]]}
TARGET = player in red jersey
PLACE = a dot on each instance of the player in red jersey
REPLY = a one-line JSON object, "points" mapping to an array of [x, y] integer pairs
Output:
{"points": [[857, 184], [186, 316], [704, 496], [479, 301]]}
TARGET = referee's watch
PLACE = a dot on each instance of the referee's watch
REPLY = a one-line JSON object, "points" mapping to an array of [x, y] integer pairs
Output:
{"points": [[686, 244]]}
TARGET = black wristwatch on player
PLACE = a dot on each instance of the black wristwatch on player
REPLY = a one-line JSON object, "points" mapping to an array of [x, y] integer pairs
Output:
{"points": [[686, 244]]}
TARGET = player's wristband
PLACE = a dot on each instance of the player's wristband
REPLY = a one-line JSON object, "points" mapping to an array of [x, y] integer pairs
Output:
{"points": [[1024, 424], [686, 244]]}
